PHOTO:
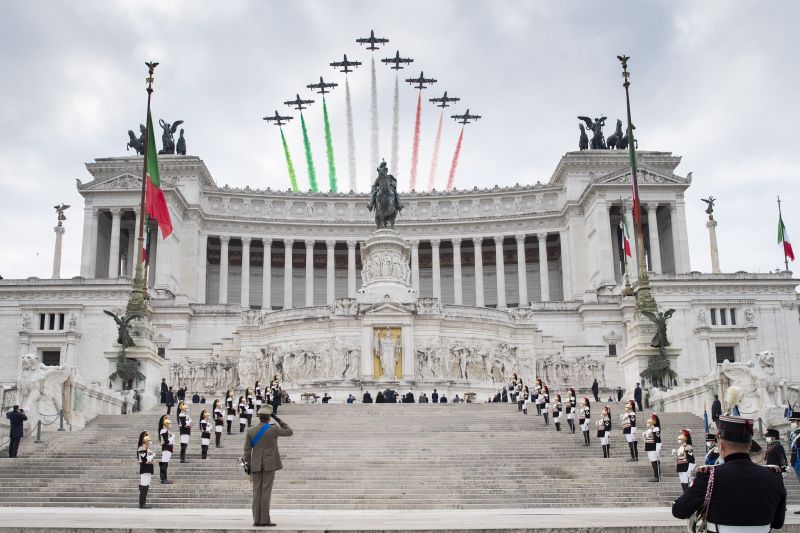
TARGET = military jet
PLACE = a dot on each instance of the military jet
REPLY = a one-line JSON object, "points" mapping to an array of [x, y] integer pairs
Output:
{"points": [[465, 118], [322, 87], [298, 103], [397, 61], [419, 83], [444, 101], [277, 119], [345, 64], [372, 40]]}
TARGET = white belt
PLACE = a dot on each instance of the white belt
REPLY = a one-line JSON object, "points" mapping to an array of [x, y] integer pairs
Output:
{"points": [[738, 529]]}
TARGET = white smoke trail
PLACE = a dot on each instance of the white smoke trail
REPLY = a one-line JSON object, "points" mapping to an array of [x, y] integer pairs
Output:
{"points": [[374, 120], [435, 160], [351, 142], [396, 126]]}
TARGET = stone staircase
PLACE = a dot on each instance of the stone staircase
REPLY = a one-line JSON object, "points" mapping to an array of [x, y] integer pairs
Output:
{"points": [[379, 456]]}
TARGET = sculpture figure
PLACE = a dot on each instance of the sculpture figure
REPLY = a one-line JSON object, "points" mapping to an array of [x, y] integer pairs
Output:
{"points": [[180, 148], [387, 348], [660, 320], [583, 141], [39, 388], [658, 369], [123, 335], [710, 205], [137, 144], [755, 386], [615, 139], [384, 198], [168, 136], [60, 210], [596, 126]]}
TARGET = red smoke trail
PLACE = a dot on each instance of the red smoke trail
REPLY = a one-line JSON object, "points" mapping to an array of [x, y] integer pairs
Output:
{"points": [[453, 166], [415, 152], [435, 160]]}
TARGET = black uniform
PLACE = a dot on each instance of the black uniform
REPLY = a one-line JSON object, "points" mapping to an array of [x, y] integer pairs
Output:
{"points": [[231, 410], [584, 416], [744, 494], [218, 424], [776, 455], [205, 437], [185, 423]]}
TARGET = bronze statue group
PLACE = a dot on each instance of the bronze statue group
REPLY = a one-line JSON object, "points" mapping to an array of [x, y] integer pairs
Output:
{"points": [[248, 403]]}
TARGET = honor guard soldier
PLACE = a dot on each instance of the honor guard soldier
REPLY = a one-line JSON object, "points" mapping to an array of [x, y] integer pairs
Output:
{"points": [[650, 449], [584, 417], [537, 395], [775, 454], [219, 417], [512, 387], [544, 398], [519, 395], [684, 458], [262, 458], [570, 407], [657, 431], [185, 423], [743, 497], [230, 407], [251, 406], [557, 407], [629, 430], [712, 450], [167, 438], [242, 414], [205, 433], [145, 457], [604, 430], [259, 390]]}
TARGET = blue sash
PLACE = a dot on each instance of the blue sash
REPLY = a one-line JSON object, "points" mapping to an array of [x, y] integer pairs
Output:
{"points": [[260, 434]]}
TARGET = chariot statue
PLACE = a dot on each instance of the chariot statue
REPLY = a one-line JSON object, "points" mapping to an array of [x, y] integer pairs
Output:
{"points": [[384, 199]]}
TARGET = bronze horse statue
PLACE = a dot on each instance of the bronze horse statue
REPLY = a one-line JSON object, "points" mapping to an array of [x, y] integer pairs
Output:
{"points": [[384, 203]]}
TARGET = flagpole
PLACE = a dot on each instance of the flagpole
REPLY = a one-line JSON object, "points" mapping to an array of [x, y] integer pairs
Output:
{"points": [[136, 303], [644, 298], [780, 220]]}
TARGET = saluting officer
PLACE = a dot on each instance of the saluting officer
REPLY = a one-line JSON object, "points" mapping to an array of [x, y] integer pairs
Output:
{"points": [[743, 496], [145, 457], [570, 407], [651, 449]]}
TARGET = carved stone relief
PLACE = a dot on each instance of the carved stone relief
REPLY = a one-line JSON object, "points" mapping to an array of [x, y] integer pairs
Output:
{"points": [[559, 373], [479, 362]]}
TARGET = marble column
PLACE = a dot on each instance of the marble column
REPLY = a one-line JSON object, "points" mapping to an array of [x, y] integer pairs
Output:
{"points": [[522, 271], [351, 269], [711, 224], [244, 301], [677, 245], [86, 242], [633, 260], [415, 265], [544, 269], [309, 273], [679, 221], [93, 245], [566, 266], [458, 292], [287, 273], [59, 229], [436, 271], [223, 268], [500, 269], [477, 242], [330, 265], [202, 267], [266, 277], [655, 247], [113, 253]]}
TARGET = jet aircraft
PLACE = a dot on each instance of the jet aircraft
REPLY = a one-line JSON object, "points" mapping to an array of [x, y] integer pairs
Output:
{"points": [[421, 82], [277, 119], [465, 118], [322, 87], [372, 40], [397, 61], [444, 101], [298, 103], [345, 64]]}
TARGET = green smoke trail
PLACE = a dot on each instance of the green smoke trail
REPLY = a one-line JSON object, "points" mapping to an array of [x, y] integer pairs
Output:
{"points": [[329, 149], [289, 166], [312, 173]]}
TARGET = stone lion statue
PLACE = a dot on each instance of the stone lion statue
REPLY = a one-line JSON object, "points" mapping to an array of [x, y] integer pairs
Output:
{"points": [[755, 386], [40, 388]]}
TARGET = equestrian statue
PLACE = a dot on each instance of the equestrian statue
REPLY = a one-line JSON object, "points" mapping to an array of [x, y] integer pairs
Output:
{"points": [[384, 199]]}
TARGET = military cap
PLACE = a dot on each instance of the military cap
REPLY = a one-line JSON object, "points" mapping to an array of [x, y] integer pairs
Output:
{"points": [[772, 432], [795, 415], [735, 429], [266, 410]]}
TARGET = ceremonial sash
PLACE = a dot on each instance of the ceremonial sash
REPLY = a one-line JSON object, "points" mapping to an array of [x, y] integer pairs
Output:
{"points": [[257, 436]]}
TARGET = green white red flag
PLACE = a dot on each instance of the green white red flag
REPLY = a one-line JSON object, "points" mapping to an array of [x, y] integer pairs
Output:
{"points": [[626, 235], [155, 204], [783, 238]]}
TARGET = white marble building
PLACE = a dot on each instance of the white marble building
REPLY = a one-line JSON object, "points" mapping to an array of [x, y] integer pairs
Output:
{"points": [[526, 278]]}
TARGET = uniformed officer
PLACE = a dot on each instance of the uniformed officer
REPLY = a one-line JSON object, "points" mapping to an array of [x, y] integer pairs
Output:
{"points": [[263, 459], [219, 417], [712, 450], [775, 454], [584, 417], [205, 433], [185, 423], [651, 449], [145, 457], [684, 458], [557, 406], [745, 497], [167, 439], [604, 431]]}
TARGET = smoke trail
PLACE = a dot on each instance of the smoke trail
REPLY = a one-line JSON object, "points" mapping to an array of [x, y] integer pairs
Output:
{"points": [[329, 149], [415, 151], [351, 142], [373, 115], [289, 165], [435, 160], [395, 125], [453, 166], [312, 174]]}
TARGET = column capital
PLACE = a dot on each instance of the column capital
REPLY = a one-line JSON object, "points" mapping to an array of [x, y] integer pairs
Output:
{"points": [[246, 241], [310, 243], [95, 211], [414, 243], [116, 212], [224, 239], [330, 244], [541, 236], [267, 242], [435, 243], [477, 241], [498, 239], [673, 207], [651, 205], [456, 242], [288, 243], [352, 244], [520, 238]]}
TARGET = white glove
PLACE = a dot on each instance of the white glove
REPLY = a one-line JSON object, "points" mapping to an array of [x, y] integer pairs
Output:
{"points": [[674, 451]]}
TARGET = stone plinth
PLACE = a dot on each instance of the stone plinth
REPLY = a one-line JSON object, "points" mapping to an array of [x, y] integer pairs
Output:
{"points": [[638, 351], [150, 364], [712, 240], [386, 271]]}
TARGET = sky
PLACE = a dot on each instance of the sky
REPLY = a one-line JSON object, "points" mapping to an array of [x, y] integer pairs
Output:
{"points": [[714, 82]]}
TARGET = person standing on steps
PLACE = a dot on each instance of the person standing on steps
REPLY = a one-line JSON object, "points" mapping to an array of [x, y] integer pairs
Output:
{"points": [[596, 391], [743, 496], [242, 414], [367, 398], [716, 410], [145, 457], [537, 396], [170, 400], [250, 396], [185, 423], [277, 396], [219, 417], [684, 457], [205, 433], [557, 406], [584, 417], [230, 408], [712, 450], [619, 394], [775, 454], [259, 391], [16, 417], [167, 438], [570, 407], [629, 430], [637, 396], [263, 459], [650, 449], [545, 399], [164, 389], [604, 431]]}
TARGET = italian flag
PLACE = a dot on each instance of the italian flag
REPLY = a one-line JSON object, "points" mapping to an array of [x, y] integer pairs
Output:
{"points": [[155, 205], [783, 238], [626, 235]]}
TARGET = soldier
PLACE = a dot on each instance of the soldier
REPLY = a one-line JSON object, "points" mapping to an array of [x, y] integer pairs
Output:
{"points": [[584, 417], [684, 458], [262, 458], [242, 414], [185, 423], [775, 454], [712, 450], [544, 399], [167, 439], [557, 406], [145, 457], [629, 430], [742, 495], [604, 430], [537, 395], [218, 421], [230, 407], [650, 449], [259, 390], [205, 433], [570, 407], [251, 406]]}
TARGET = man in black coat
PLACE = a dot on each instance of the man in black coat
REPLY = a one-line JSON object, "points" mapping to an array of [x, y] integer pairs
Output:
{"points": [[277, 400], [435, 397], [367, 398], [164, 389], [16, 417], [596, 390], [716, 409], [637, 397], [170, 399], [743, 493]]}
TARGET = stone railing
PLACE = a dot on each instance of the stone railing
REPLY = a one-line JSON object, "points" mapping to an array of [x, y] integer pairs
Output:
{"points": [[90, 401], [695, 397]]}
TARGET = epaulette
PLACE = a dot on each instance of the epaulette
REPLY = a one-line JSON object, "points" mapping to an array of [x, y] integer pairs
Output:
{"points": [[704, 469], [774, 468]]}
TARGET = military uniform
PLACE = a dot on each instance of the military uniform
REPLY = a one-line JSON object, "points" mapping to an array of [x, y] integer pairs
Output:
{"points": [[264, 460], [603, 432], [557, 405], [219, 416], [167, 439], [584, 417], [745, 495]]}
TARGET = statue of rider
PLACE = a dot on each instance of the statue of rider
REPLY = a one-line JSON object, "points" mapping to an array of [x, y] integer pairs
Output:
{"points": [[384, 170]]}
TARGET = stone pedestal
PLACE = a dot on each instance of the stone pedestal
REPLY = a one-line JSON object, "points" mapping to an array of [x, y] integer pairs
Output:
{"points": [[712, 238], [638, 352], [386, 271], [57, 251]]}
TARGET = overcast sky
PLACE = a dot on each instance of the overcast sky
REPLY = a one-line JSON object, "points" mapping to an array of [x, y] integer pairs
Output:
{"points": [[715, 82]]}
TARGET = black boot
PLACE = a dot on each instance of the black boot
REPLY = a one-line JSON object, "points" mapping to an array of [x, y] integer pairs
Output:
{"points": [[183, 452], [605, 452], [229, 426], [538, 409], [143, 497], [546, 420], [166, 480], [685, 486], [218, 437], [636, 451], [655, 479], [630, 448], [241, 427], [558, 426], [204, 451], [586, 438]]}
